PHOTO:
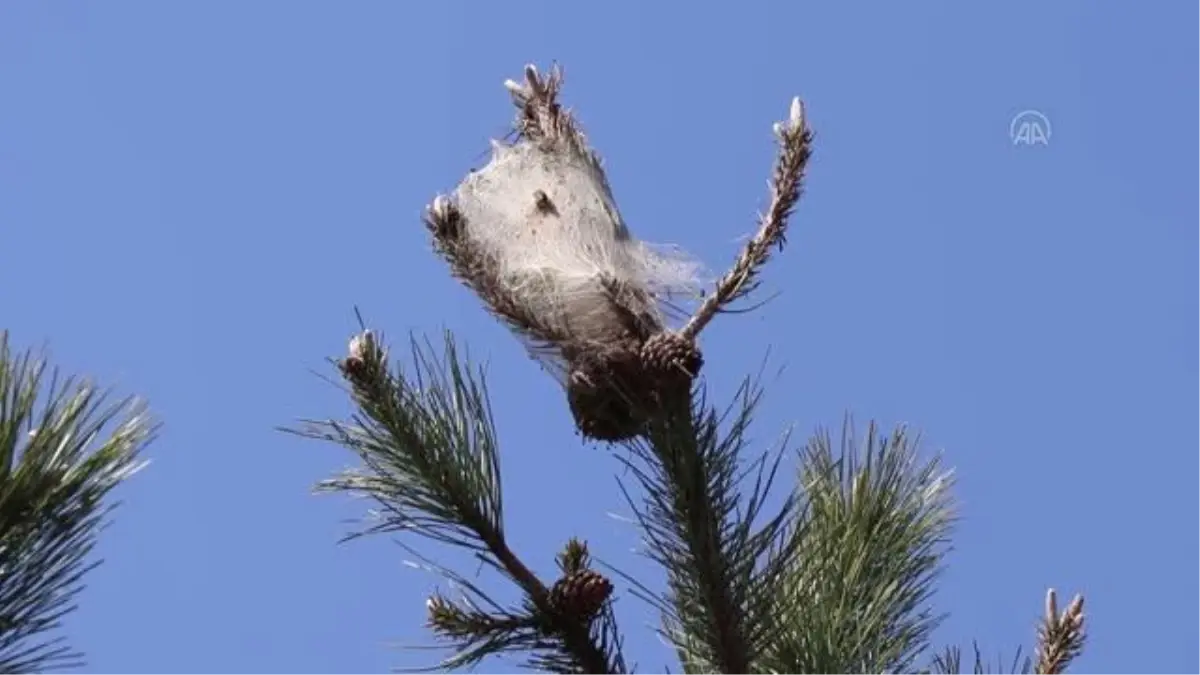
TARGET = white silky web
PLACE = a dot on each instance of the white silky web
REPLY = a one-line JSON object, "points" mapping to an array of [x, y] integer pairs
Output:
{"points": [[553, 255]]}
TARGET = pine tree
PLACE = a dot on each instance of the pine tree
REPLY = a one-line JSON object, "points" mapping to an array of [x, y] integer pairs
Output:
{"points": [[63, 447], [838, 578]]}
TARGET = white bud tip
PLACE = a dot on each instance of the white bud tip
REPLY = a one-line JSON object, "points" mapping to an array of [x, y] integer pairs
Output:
{"points": [[360, 344], [440, 205], [534, 80], [514, 88], [796, 114]]}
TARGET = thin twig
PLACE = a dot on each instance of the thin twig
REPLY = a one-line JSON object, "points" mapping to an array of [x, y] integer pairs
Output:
{"points": [[795, 140]]}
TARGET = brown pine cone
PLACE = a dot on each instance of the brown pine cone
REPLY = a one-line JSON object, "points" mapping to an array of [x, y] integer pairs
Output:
{"points": [[669, 354], [581, 594]]}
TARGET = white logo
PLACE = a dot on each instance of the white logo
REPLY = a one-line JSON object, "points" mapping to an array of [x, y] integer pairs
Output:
{"points": [[1029, 127]]}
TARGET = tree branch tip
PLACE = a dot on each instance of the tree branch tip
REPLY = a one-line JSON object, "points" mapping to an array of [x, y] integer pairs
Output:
{"points": [[363, 344], [796, 125], [532, 76], [796, 113], [1076, 606], [1072, 614], [440, 207]]}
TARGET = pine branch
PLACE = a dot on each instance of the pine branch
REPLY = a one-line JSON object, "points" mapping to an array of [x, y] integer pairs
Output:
{"points": [[427, 442], [432, 466], [699, 528], [542, 119], [871, 539], [1060, 639], [476, 633], [1060, 636], [795, 147], [537, 235], [57, 466]]}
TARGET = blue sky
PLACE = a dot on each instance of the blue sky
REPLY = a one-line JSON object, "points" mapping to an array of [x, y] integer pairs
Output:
{"points": [[193, 197]]}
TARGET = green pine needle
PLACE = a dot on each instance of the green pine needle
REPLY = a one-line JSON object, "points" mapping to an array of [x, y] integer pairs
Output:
{"points": [[428, 445], [713, 540], [431, 463], [871, 538], [950, 662], [57, 466]]}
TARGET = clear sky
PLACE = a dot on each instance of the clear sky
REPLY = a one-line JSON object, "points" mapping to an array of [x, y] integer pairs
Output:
{"points": [[194, 195]]}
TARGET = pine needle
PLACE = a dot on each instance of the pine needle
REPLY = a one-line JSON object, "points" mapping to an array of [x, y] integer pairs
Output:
{"points": [[63, 448]]}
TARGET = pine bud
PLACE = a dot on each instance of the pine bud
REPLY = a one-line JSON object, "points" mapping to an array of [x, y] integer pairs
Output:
{"points": [[794, 124], [362, 346], [364, 357], [442, 615]]}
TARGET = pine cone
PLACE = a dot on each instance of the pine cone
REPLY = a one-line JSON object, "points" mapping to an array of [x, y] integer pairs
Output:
{"points": [[581, 594], [672, 356]]}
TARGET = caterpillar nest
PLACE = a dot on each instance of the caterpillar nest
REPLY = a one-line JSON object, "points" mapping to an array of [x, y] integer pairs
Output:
{"points": [[537, 235]]}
